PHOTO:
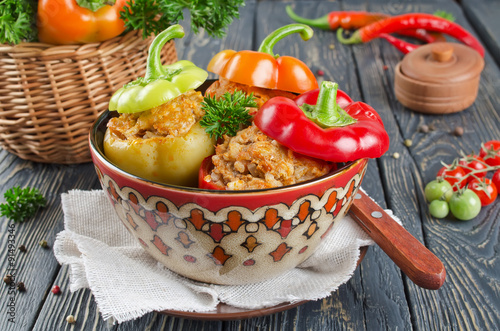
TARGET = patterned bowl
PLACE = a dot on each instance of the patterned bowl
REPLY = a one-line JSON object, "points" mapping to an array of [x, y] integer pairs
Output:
{"points": [[226, 237]]}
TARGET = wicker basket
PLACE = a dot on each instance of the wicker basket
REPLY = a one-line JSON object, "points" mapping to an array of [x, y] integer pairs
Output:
{"points": [[51, 95]]}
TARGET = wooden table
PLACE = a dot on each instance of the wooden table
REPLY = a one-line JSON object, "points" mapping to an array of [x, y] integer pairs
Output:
{"points": [[378, 296]]}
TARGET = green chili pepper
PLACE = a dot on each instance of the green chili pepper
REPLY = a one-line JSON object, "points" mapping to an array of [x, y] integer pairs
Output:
{"points": [[161, 83]]}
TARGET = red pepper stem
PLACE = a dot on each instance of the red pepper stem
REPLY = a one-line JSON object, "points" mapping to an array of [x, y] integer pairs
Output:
{"points": [[354, 38], [154, 66], [268, 43], [327, 113], [320, 22]]}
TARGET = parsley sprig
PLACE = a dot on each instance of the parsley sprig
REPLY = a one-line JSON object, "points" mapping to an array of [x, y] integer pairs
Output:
{"points": [[444, 14], [228, 114], [17, 21], [152, 16], [21, 204]]}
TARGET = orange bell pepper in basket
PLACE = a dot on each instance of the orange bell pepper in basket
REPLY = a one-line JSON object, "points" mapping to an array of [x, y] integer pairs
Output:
{"points": [[64, 22]]}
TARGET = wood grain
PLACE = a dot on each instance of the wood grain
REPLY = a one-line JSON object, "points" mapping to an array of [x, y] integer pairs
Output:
{"points": [[483, 15], [451, 240]]}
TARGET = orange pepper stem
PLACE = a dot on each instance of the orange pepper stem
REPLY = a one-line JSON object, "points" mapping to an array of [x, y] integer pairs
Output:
{"points": [[154, 66], [95, 5], [268, 43], [326, 112]]}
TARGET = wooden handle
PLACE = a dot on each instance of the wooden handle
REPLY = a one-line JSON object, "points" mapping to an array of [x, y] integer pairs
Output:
{"points": [[409, 254]]}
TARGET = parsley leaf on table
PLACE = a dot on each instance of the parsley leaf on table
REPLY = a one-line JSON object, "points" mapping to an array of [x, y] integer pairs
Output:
{"points": [[21, 204]]}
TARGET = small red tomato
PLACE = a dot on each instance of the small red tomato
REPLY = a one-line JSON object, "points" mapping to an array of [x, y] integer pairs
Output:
{"points": [[473, 164], [485, 190], [490, 152], [453, 174], [56, 289], [496, 179]]}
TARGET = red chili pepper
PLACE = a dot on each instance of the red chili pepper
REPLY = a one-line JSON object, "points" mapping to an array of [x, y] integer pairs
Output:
{"points": [[316, 125], [421, 34], [337, 19], [403, 46], [355, 20], [411, 21]]}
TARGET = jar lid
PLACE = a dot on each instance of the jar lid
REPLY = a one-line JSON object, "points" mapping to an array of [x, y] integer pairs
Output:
{"points": [[442, 62]]}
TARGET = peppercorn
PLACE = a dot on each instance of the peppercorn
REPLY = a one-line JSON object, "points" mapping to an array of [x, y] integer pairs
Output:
{"points": [[56, 289], [332, 46], [7, 279], [22, 248], [21, 287], [408, 142], [321, 72], [423, 128], [70, 319], [459, 131], [395, 155], [43, 243], [385, 67]]}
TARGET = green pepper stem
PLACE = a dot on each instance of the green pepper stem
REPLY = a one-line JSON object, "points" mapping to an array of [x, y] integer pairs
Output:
{"points": [[154, 67], [268, 43], [320, 22], [354, 38], [327, 113]]}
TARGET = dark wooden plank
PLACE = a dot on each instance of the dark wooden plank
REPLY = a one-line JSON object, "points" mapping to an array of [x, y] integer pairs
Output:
{"points": [[347, 307], [472, 270], [383, 298], [156, 321], [483, 16], [58, 307], [37, 267]]}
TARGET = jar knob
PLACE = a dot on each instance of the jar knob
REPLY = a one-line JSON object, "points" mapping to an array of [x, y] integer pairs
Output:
{"points": [[442, 52]]}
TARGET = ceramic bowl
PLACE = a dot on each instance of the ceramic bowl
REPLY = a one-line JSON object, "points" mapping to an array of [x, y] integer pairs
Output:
{"points": [[226, 237]]}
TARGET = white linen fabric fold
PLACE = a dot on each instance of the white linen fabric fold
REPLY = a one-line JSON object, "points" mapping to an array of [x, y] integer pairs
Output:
{"points": [[128, 283]]}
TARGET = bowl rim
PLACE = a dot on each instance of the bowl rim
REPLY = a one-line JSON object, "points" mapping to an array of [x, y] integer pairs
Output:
{"points": [[97, 151]]}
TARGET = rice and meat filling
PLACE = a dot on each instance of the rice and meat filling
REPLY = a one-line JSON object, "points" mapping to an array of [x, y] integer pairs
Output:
{"points": [[252, 160], [173, 118]]}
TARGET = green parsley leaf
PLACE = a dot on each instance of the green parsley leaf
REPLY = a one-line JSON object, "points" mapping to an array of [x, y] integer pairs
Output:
{"points": [[21, 204], [444, 14], [228, 114], [152, 17], [17, 21]]}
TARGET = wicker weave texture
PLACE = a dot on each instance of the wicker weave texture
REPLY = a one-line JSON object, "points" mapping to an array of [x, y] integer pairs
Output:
{"points": [[51, 95]]}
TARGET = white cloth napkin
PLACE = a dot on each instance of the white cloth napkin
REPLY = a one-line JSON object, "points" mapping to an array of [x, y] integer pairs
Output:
{"points": [[127, 283]]}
